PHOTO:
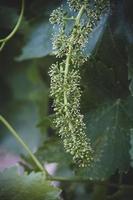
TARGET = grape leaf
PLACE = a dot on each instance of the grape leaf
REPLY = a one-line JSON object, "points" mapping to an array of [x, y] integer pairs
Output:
{"points": [[96, 36], [52, 151], [108, 129], [38, 42], [28, 187]]}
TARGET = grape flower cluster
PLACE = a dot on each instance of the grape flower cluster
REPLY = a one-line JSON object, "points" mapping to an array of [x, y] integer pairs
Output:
{"points": [[68, 46]]}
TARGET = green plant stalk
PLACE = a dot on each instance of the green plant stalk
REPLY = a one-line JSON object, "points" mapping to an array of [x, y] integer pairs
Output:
{"points": [[68, 59], [2, 45], [77, 21], [24, 145], [92, 182], [4, 40]]}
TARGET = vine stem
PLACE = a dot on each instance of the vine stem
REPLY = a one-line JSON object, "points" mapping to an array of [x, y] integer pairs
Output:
{"points": [[24, 145], [81, 179], [68, 59], [4, 40], [77, 20]]}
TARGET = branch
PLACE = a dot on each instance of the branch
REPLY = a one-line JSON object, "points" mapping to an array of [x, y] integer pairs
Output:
{"points": [[24, 145], [4, 40], [82, 179]]}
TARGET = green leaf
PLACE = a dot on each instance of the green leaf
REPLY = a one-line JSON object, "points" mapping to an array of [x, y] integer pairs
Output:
{"points": [[46, 122], [95, 37], [38, 43], [108, 129], [26, 187], [52, 151]]}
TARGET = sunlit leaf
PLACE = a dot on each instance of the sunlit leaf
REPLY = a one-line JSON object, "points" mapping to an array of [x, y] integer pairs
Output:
{"points": [[28, 187]]}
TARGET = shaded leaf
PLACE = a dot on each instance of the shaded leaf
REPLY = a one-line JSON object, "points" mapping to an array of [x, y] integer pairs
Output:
{"points": [[46, 122], [108, 129], [28, 187], [52, 151]]}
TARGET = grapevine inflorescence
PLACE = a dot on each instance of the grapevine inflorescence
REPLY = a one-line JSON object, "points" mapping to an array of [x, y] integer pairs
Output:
{"points": [[65, 75]]}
